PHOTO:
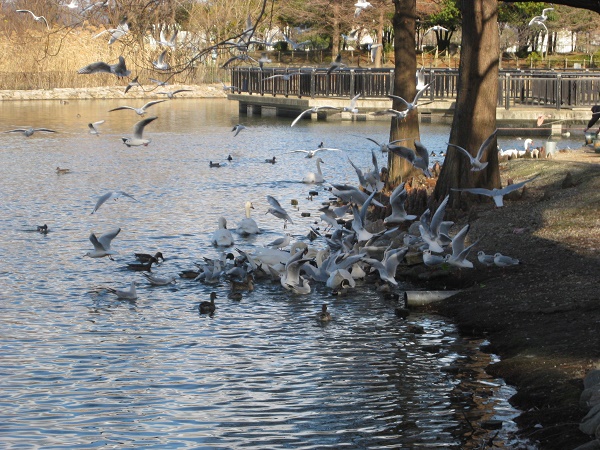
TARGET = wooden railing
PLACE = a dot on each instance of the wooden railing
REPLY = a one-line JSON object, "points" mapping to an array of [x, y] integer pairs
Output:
{"points": [[550, 89]]}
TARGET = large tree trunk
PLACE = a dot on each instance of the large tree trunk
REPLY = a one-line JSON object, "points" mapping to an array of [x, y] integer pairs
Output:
{"points": [[335, 32], [405, 68], [475, 114]]}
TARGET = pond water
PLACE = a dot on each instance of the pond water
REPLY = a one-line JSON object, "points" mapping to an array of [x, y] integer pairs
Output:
{"points": [[82, 369]]}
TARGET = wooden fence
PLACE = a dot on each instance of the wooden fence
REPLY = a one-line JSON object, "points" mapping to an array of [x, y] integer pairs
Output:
{"points": [[550, 89]]}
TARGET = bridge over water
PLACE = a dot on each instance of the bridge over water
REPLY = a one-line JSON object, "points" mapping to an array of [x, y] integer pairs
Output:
{"points": [[563, 96]]}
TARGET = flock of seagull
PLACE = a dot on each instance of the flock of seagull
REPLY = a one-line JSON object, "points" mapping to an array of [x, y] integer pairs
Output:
{"points": [[353, 248]]}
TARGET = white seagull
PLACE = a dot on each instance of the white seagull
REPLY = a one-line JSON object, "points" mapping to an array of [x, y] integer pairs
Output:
{"points": [[435, 28], [36, 18], [159, 281], [458, 258], [237, 128], [296, 46], [418, 158], [171, 94], [283, 76], [278, 211], [160, 63], [113, 195], [312, 153], [420, 75], [314, 109], [504, 261], [119, 69], [476, 164], [138, 131], [129, 294], [171, 42], [373, 49], [116, 33], [539, 20], [29, 131], [411, 105], [102, 245], [397, 199], [139, 111], [496, 194], [352, 107], [486, 260], [360, 5]]}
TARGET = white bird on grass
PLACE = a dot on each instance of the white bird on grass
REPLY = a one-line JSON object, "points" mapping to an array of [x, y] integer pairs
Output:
{"points": [[113, 195], [314, 109], [36, 18], [129, 294], [486, 260], [476, 164], [138, 131], [496, 194], [222, 237], [315, 177], [418, 158], [504, 261], [458, 258], [139, 111], [431, 260], [119, 69], [102, 244]]}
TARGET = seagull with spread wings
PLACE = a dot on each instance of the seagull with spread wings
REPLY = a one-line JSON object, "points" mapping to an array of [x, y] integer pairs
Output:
{"points": [[140, 111], [476, 164], [418, 158], [496, 194], [119, 69], [36, 18], [138, 131], [314, 109]]}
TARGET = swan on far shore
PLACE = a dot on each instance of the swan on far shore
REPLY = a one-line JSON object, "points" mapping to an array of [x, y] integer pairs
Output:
{"points": [[515, 153]]}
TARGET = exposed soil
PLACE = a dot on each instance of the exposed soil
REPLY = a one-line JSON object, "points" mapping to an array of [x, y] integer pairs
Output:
{"points": [[541, 317]]}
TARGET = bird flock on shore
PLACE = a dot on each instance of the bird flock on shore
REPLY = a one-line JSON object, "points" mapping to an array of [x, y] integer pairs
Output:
{"points": [[346, 245]]}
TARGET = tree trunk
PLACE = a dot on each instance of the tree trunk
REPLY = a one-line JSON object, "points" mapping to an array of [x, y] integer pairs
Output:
{"points": [[335, 33], [379, 53], [405, 68], [475, 114]]}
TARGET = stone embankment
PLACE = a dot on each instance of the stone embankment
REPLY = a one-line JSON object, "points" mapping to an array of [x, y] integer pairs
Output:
{"points": [[151, 91]]}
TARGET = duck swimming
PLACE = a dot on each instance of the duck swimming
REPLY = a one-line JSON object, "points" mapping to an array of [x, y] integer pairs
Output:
{"points": [[324, 315], [208, 307]]}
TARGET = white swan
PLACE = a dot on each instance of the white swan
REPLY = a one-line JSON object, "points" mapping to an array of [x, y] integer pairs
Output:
{"points": [[222, 237], [312, 177], [248, 226], [514, 153]]}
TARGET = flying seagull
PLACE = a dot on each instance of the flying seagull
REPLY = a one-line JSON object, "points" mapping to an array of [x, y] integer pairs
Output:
{"points": [[539, 20], [160, 63], [116, 33], [496, 194], [476, 164], [170, 94], [418, 158], [94, 127], [140, 111], [29, 131], [102, 244], [36, 18], [113, 195], [314, 109], [119, 69], [278, 211], [138, 130]]}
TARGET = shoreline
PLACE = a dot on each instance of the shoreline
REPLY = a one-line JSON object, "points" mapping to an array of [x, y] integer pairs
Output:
{"points": [[540, 317]]}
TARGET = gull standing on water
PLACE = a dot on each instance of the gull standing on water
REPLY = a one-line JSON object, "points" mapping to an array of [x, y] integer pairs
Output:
{"points": [[138, 131], [140, 111]]}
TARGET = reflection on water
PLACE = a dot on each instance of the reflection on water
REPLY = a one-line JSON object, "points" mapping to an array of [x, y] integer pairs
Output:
{"points": [[81, 369]]}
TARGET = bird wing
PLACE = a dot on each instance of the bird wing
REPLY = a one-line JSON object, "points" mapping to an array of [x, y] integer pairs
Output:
{"points": [[119, 69], [101, 201], [138, 128], [422, 152], [480, 191], [274, 203], [485, 145], [122, 107], [458, 241], [181, 90], [300, 116], [463, 150], [399, 98], [353, 101], [96, 243], [44, 129], [99, 66], [403, 152], [106, 238], [514, 187], [154, 102], [419, 94]]}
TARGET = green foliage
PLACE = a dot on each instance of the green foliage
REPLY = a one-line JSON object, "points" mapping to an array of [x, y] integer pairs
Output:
{"points": [[448, 17]]}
